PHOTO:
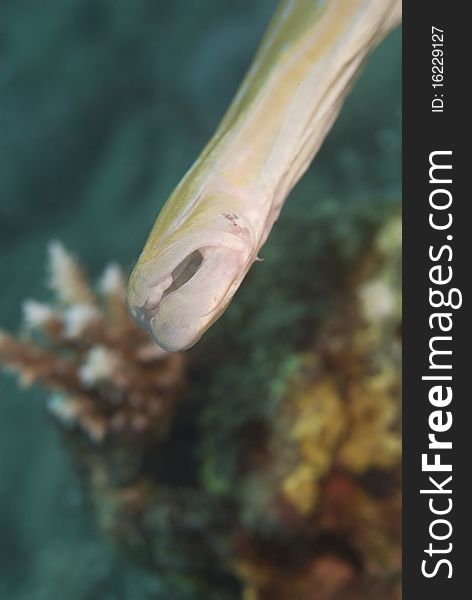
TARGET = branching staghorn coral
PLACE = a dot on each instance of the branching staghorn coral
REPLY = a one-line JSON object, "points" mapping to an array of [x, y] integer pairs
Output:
{"points": [[109, 377], [115, 401]]}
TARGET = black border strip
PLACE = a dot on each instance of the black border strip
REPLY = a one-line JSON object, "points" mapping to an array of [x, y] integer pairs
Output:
{"points": [[424, 132]]}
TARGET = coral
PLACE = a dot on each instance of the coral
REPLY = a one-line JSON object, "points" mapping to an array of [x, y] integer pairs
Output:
{"points": [[115, 397], [264, 463], [312, 452], [110, 379], [336, 446]]}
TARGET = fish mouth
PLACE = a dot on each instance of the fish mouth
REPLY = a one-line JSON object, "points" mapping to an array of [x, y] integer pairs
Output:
{"points": [[158, 290], [180, 306], [184, 271]]}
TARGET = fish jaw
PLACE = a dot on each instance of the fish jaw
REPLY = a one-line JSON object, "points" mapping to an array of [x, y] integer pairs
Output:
{"points": [[181, 317], [178, 290]]}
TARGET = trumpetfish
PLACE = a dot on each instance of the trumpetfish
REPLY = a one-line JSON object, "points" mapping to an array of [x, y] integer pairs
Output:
{"points": [[210, 230]]}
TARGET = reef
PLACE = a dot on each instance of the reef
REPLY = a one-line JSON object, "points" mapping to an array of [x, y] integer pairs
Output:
{"points": [[265, 463]]}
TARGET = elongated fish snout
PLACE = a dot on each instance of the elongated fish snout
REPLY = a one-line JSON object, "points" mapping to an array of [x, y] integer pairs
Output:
{"points": [[214, 223], [182, 305]]}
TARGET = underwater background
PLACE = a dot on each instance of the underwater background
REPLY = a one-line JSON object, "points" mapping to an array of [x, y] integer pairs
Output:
{"points": [[103, 106]]}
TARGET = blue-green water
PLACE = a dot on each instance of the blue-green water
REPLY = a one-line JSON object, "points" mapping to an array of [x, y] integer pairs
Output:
{"points": [[103, 106]]}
